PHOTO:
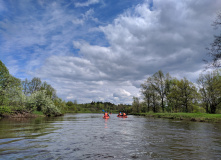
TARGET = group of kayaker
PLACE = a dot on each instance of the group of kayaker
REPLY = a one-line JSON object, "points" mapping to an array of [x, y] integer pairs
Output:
{"points": [[120, 114], [124, 115], [106, 115]]}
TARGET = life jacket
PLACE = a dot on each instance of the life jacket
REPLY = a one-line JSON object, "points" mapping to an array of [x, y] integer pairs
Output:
{"points": [[124, 114], [106, 114], [119, 113]]}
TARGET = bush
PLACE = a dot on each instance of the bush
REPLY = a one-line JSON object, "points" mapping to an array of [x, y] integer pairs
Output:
{"points": [[41, 102], [5, 110], [198, 109]]}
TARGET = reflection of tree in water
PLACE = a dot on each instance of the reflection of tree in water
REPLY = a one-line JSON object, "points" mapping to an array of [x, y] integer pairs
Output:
{"points": [[26, 127]]}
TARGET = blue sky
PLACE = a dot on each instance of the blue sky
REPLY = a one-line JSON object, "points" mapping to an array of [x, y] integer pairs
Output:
{"points": [[102, 50]]}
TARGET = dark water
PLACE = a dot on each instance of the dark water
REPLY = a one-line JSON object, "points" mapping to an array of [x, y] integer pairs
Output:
{"points": [[89, 136]]}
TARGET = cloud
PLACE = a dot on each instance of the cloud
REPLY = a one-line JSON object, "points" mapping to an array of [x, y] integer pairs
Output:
{"points": [[87, 60], [39, 35], [87, 3], [141, 43]]}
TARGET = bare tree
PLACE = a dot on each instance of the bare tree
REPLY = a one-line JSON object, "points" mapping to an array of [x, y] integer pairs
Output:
{"points": [[214, 50]]}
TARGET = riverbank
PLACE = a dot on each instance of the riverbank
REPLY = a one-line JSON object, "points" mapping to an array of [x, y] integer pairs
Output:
{"points": [[23, 115], [196, 117]]}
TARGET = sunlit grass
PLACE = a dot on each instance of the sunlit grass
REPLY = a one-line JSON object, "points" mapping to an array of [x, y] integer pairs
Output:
{"points": [[38, 113], [201, 117]]}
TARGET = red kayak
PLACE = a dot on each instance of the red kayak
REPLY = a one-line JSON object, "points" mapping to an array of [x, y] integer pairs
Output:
{"points": [[106, 117], [121, 116]]}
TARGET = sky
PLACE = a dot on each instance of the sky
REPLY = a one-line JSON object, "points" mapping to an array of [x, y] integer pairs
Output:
{"points": [[103, 50]]}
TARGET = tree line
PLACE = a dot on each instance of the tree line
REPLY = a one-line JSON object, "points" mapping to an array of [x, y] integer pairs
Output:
{"points": [[163, 93], [97, 107], [18, 96]]}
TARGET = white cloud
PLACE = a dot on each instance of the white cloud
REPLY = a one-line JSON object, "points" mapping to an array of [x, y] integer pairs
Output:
{"points": [[87, 3], [172, 36], [141, 43]]}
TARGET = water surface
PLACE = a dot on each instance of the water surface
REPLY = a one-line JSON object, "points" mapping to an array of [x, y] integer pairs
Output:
{"points": [[89, 136]]}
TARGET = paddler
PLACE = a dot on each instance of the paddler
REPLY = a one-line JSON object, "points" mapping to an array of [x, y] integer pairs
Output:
{"points": [[124, 114], [105, 114]]}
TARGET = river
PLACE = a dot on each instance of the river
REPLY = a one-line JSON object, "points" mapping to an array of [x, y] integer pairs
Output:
{"points": [[89, 136]]}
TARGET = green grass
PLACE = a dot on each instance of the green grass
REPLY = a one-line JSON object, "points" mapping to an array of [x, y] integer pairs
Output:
{"points": [[38, 113], [200, 117]]}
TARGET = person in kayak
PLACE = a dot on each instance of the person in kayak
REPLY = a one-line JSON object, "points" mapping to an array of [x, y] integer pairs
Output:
{"points": [[120, 114], [124, 114], [106, 114]]}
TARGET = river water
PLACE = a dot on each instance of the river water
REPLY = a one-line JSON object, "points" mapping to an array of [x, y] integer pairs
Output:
{"points": [[89, 136]]}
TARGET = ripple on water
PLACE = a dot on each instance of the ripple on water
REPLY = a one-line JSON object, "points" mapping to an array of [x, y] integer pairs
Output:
{"points": [[89, 136]]}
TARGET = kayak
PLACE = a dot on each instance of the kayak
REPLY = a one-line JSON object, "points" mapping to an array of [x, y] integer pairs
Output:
{"points": [[121, 116], [106, 117]]}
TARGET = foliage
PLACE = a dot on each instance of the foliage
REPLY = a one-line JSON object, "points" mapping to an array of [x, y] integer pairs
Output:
{"points": [[200, 117], [28, 96], [210, 90], [5, 110], [36, 84], [9, 86], [164, 93], [97, 107], [183, 94], [59, 103], [40, 101], [136, 105]]}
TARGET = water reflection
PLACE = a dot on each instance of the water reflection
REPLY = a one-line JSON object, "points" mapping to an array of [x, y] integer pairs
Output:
{"points": [[106, 120], [89, 136]]}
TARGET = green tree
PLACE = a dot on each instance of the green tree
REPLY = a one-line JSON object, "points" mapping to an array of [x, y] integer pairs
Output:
{"points": [[147, 93], [187, 93], [41, 102], [25, 86], [35, 85], [10, 86], [210, 90], [158, 83], [136, 105], [154, 88], [173, 97], [50, 91]]}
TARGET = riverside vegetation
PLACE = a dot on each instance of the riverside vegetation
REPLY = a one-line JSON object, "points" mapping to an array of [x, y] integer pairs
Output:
{"points": [[168, 97], [27, 98], [163, 96]]}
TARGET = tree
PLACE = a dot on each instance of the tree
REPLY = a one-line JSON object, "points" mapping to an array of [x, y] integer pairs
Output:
{"points": [[146, 91], [173, 97], [50, 91], [215, 48], [210, 90], [158, 83], [41, 102], [187, 93], [156, 86], [10, 86], [35, 85], [29, 87], [136, 105], [151, 96], [25, 86]]}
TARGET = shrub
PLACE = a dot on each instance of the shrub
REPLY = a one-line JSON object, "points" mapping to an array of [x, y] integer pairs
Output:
{"points": [[41, 102], [5, 110]]}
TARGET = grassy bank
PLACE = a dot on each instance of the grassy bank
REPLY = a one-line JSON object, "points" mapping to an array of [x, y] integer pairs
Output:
{"points": [[199, 117]]}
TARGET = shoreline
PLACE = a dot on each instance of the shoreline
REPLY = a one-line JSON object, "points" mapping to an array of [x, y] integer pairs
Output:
{"points": [[21, 115], [194, 117]]}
